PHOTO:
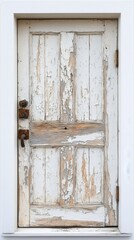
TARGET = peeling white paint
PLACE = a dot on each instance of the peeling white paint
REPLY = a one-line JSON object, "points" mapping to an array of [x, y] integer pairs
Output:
{"points": [[85, 138]]}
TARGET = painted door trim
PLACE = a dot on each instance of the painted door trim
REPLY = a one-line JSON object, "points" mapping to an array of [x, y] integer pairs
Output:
{"points": [[10, 11]]}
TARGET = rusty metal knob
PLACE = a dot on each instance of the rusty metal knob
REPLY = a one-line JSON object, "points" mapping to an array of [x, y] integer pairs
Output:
{"points": [[23, 103]]}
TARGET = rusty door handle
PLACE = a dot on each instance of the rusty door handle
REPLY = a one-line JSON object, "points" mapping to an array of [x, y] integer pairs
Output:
{"points": [[23, 134], [23, 137]]}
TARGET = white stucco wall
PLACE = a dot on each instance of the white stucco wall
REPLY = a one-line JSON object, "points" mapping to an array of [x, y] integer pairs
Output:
{"points": [[55, 238]]}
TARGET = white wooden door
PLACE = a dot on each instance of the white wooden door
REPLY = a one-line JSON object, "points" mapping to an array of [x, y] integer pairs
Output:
{"points": [[68, 167]]}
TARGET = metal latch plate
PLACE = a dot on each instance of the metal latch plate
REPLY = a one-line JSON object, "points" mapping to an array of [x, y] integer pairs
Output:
{"points": [[23, 113], [25, 132]]}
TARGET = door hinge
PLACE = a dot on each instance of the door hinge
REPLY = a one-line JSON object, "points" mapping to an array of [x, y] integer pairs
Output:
{"points": [[117, 58], [117, 193]]}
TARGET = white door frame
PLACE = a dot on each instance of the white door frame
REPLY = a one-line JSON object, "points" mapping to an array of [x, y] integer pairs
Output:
{"points": [[10, 12]]}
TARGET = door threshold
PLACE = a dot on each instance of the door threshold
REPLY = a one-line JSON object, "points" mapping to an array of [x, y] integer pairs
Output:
{"points": [[93, 232]]}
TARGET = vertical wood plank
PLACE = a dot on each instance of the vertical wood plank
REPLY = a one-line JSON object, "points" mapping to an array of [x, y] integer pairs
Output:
{"points": [[38, 176], [37, 164], [37, 78], [82, 77], [82, 176], [67, 176], [96, 175], [67, 76], [24, 185], [52, 112], [52, 79], [23, 93], [52, 176], [23, 61], [111, 133], [96, 78]]}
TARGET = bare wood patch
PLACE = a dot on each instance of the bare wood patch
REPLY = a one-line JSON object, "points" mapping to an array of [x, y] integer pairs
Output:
{"points": [[96, 174], [67, 76], [67, 176], [89, 175], [58, 134], [58, 222], [66, 217]]}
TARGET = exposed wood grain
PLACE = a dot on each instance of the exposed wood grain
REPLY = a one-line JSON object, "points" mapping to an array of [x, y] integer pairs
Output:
{"points": [[67, 176], [96, 78], [67, 76], [51, 81], [82, 176], [89, 176], [82, 77], [66, 217], [37, 77], [58, 134], [96, 174]]}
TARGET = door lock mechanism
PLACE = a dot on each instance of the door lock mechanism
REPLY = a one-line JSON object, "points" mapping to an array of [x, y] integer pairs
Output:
{"points": [[23, 134], [23, 113]]}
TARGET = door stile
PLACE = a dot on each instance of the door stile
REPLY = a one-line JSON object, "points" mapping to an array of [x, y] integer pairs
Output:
{"points": [[110, 123], [24, 153]]}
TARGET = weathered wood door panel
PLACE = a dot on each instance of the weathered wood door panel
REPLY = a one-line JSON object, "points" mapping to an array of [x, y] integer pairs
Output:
{"points": [[68, 167]]}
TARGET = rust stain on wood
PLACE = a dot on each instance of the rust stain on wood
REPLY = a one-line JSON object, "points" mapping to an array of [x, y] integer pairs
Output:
{"points": [[117, 193]]}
